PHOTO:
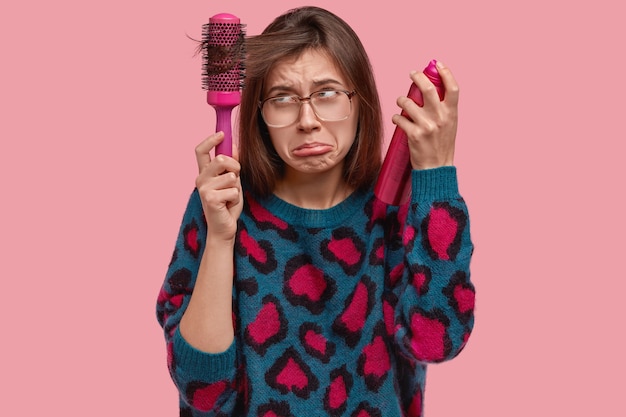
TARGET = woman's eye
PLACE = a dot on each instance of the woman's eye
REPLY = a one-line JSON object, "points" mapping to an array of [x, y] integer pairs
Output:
{"points": [[326, 94], [282, 100]]}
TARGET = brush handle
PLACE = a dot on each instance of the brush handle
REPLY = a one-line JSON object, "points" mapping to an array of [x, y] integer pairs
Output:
{"points": [[225, 147], [224, 102], [394, 182]]}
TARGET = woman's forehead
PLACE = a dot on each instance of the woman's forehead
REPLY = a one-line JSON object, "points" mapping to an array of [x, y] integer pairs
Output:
{"points": [[309, 69]]}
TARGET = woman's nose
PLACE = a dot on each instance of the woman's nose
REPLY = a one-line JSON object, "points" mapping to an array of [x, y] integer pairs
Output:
{"points": [[307, 119]]}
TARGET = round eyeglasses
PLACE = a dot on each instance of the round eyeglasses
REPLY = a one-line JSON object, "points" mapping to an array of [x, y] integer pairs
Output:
{"points": [[328, 106]]}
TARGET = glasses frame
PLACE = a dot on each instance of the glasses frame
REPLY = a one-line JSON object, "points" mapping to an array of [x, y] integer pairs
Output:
{"points": [[350, 94]]}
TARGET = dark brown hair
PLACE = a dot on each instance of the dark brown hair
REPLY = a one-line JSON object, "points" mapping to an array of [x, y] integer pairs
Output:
{"points": [[288, 36]]}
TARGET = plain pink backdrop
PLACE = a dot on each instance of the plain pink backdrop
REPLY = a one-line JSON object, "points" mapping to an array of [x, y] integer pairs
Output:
{"points": [[101, 111]]}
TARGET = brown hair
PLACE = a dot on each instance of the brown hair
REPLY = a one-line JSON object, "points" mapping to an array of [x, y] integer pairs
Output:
{"points": [[287, 37]]}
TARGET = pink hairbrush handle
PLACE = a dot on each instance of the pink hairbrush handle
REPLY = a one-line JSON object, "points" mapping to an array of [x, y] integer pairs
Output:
{"points": [[224, 102]]}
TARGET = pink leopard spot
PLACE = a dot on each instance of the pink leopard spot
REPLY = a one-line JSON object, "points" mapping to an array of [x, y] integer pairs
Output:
{"points": [[315, 341], [465, 298], [338, 393], [377, 358], [163, 296], [266, 324], [354, 316], [442, 230], [428, 338], [380, 252], [419, 280], [345, 250], [177, 300], [252, 247], [396, 274], [263, 215], [191, 239], [204, 398], [409, 235], [292, 376], [415, 410], [309, 281]]}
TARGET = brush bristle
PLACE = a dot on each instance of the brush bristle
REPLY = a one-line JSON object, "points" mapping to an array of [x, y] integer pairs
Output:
{"points": [[223, 52]]}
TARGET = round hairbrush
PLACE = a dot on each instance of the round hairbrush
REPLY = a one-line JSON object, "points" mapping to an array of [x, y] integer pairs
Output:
{"points": [[223, 51]]}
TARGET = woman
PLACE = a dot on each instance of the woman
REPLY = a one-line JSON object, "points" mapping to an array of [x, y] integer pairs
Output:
{"points": [[293, 290]]}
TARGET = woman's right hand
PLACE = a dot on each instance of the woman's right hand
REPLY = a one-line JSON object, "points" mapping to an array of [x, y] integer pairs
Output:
{"points": [[219, 186]]}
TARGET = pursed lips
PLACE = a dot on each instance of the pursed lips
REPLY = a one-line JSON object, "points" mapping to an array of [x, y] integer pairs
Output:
{"points": [[312, 149]]}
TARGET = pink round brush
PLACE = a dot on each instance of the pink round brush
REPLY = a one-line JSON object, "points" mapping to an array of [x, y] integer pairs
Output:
{"points": [[222, 71]]}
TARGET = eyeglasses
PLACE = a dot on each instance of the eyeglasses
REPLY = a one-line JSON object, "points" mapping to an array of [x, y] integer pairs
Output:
{"points": [[328, 106]]}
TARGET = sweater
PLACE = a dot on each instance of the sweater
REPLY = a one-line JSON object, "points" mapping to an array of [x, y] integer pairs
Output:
{"points": [[337, 312]]}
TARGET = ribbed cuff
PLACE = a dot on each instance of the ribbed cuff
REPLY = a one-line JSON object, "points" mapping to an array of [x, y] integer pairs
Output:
{"points": [[196, 364], [434, 184]]}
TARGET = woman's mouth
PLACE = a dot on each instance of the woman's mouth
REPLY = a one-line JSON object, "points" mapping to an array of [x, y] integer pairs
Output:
{"points": [[312, 149]]}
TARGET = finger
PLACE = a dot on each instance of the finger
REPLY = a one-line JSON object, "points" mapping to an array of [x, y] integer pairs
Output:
{"points": [[226, 180], [213, 190], [409, 107], [219, 173], [237, 199], [220, 199], [412, 114], [426, 87], [203, 150], [416, 121], [230, 192], [403, 123], [224, 163], [449, 82]]}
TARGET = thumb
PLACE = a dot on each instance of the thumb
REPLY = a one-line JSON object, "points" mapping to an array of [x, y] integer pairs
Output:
{"points": [[203, 150]]}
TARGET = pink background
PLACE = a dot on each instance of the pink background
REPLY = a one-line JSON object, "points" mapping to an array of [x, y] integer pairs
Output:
{"points": [[101, 111]]}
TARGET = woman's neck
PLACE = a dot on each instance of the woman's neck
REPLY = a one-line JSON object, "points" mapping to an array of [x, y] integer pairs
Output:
{"points": [[313, 191]]}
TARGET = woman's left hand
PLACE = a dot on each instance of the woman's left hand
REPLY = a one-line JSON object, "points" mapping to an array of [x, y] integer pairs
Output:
{"points": [[431, 129]]}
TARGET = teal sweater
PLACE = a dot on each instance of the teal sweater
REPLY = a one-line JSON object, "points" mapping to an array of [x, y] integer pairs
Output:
{"points": [[336, 311]]}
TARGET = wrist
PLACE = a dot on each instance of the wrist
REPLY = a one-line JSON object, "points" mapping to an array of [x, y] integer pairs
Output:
{"points": [[219, 243]]}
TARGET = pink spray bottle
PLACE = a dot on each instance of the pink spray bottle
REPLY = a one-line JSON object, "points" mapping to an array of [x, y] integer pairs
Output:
{"points": [[394, 182]]}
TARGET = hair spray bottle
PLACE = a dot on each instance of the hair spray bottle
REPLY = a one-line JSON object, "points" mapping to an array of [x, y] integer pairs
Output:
{"points": [[394, 182]]}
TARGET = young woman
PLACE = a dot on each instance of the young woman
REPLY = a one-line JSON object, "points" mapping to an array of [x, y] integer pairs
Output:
{"points": [[293, 290]]}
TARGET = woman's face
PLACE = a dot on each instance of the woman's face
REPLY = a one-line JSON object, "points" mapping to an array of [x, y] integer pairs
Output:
{"points": [[310, 145]]}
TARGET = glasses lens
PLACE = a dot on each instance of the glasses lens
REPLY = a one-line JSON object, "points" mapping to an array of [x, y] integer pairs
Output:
{"points": [[328, 105], [331, 105], [281, 111]]}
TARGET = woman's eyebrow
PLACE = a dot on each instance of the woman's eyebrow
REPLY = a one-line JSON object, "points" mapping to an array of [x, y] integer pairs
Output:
{"points": [[315, 83], [279, 88], [327, 81]]}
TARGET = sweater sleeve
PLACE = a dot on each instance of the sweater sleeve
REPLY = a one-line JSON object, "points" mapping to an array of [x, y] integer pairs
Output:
{"points": [[207, 383], [434, 314]]}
